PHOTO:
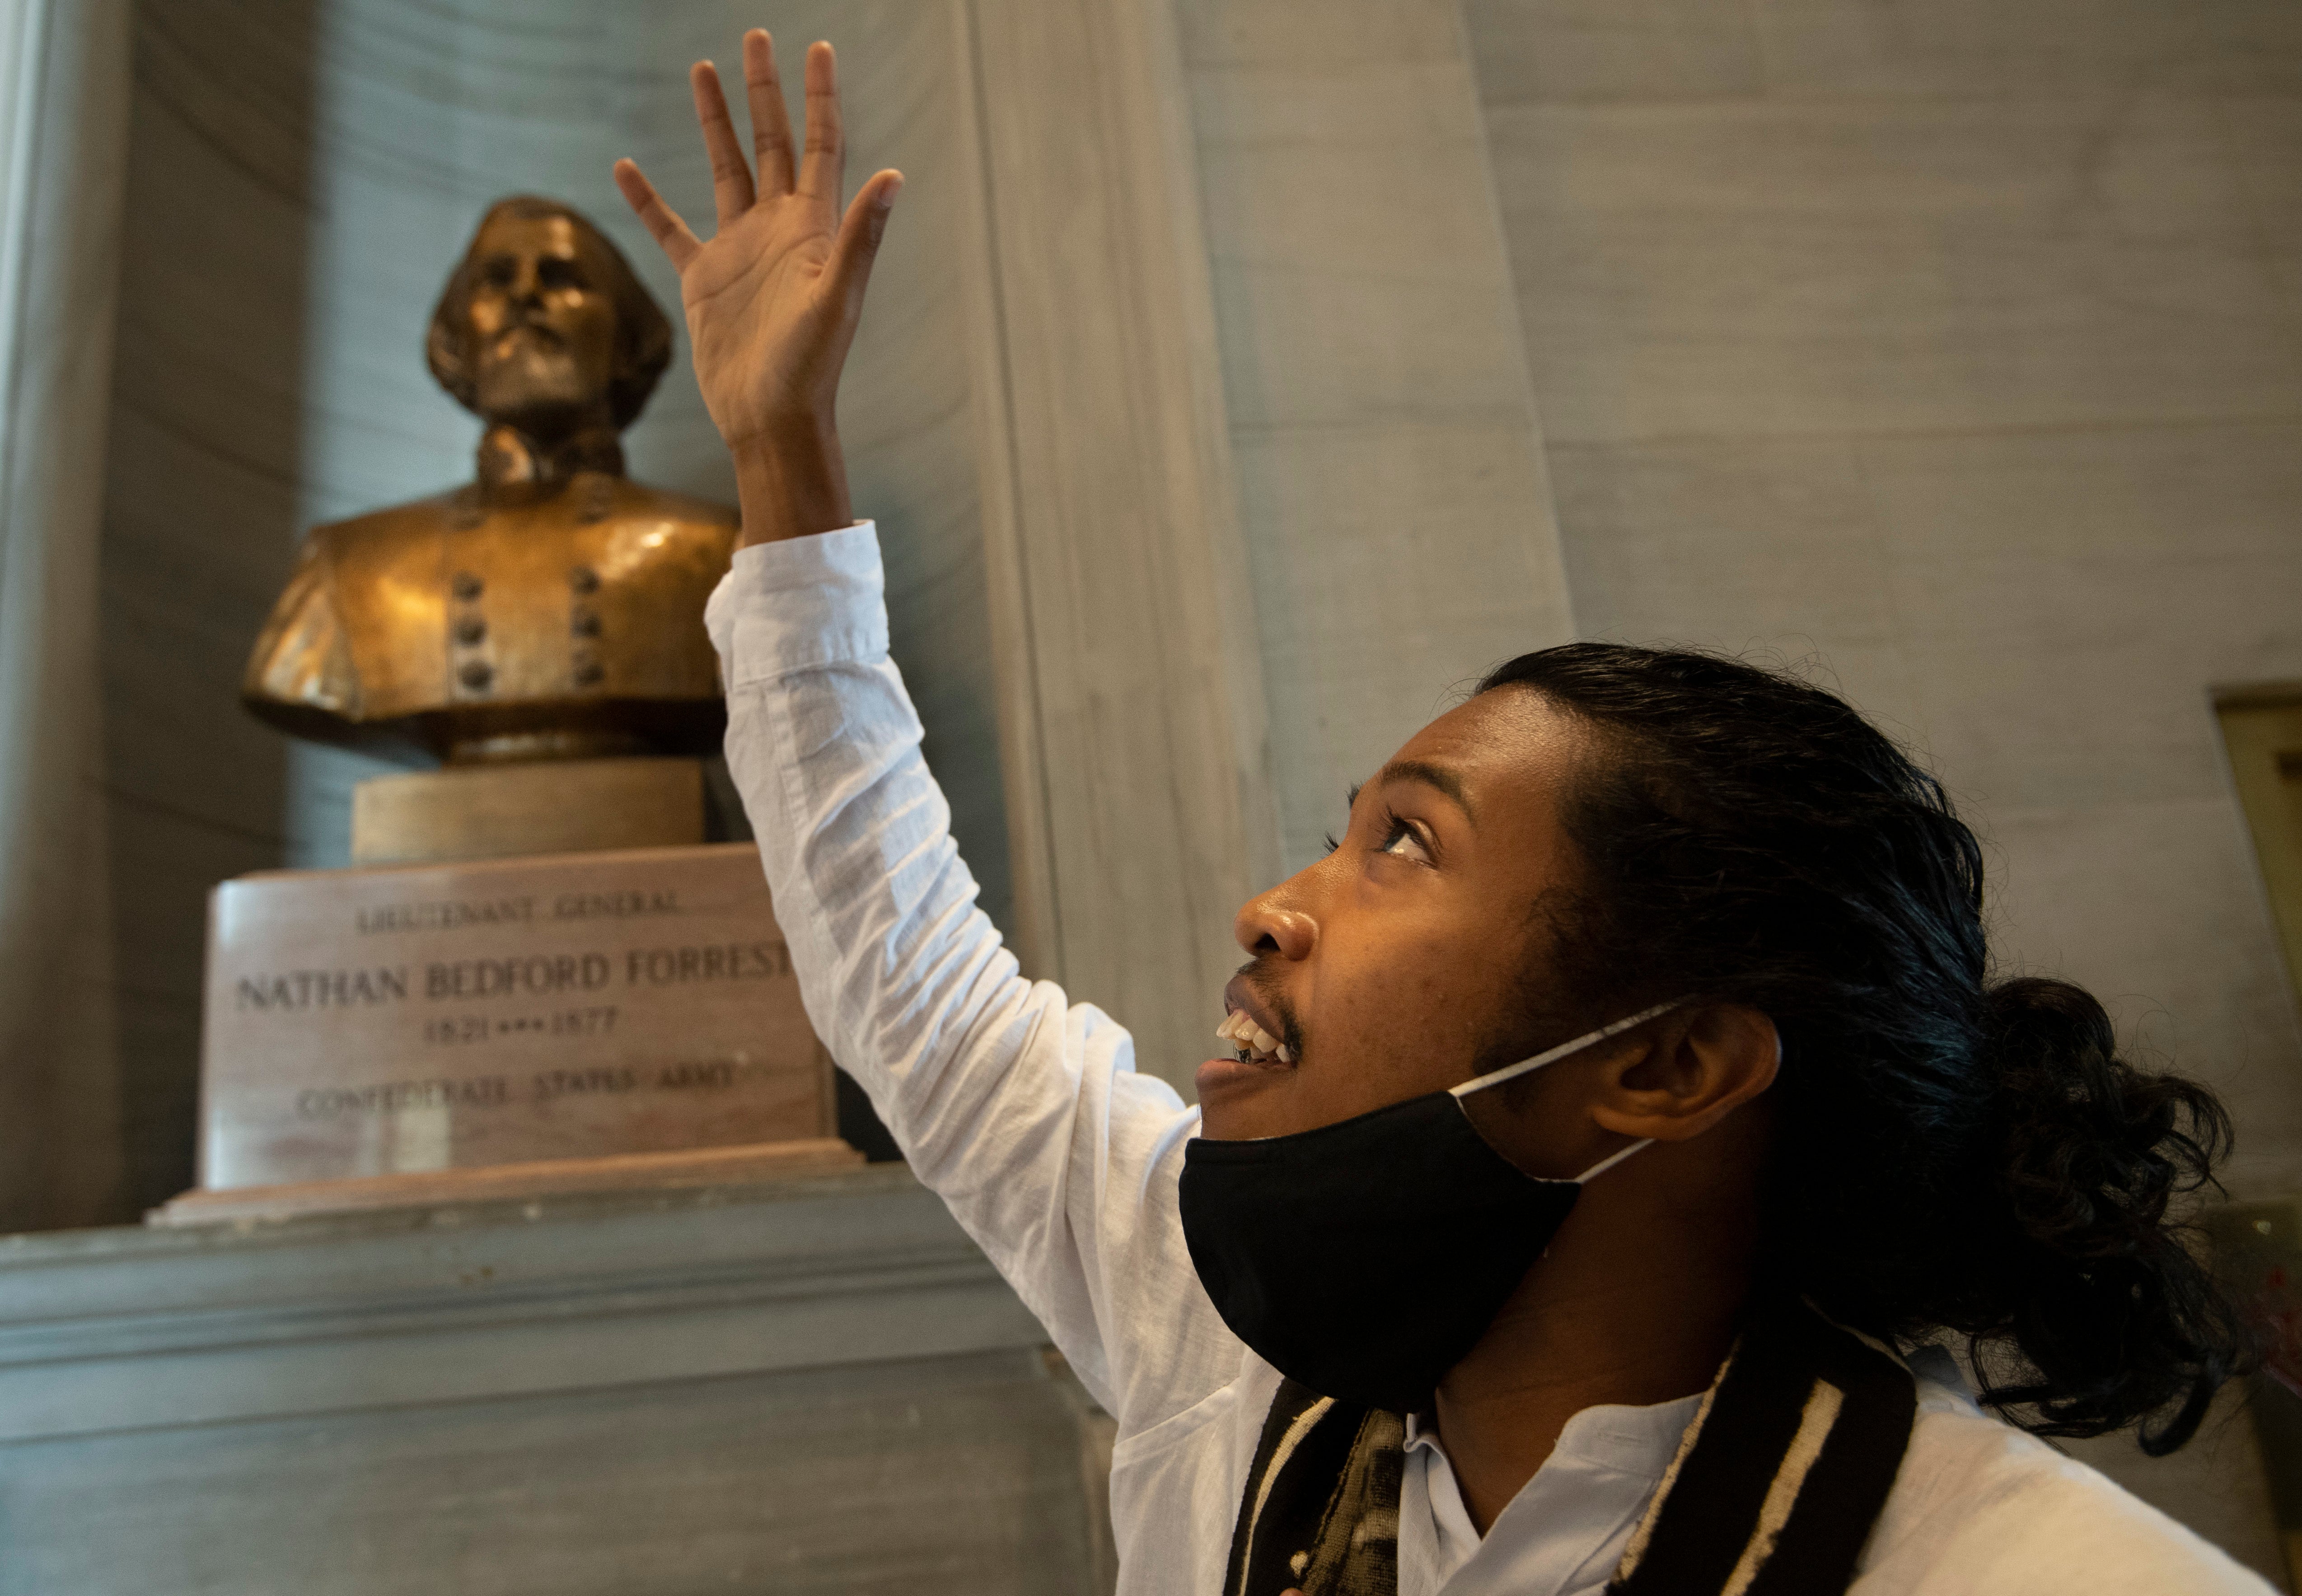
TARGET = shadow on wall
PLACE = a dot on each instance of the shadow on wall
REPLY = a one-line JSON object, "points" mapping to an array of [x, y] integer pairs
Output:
{"points": [[203, 471]]}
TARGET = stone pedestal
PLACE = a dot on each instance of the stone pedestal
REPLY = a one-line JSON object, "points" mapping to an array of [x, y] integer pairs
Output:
{"points": [[805, 1385], [512, 1027], [506, 812]]}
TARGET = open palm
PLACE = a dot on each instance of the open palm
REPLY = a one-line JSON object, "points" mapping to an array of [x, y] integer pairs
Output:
{"points": [[773, 299]]}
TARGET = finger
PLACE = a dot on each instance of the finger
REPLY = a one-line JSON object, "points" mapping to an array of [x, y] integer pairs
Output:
{"points": [[662, 223], [819, 168], [858, 244], [731, 179], [770, 122]]}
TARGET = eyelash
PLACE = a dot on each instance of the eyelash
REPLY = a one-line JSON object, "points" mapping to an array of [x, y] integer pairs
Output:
{"points": [[1393, 828]]}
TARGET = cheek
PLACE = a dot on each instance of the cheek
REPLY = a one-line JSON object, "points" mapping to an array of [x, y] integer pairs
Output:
{"points": [[589, 325], [1401, 999], [1389, 989]]}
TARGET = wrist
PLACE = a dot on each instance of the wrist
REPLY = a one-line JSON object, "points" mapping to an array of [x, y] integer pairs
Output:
{"points": [[791, 480]]}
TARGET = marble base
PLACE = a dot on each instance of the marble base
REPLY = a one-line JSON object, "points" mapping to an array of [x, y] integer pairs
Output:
{"points": [[419, 1020], [507, 811], [509, 1182], [814, 1385]]}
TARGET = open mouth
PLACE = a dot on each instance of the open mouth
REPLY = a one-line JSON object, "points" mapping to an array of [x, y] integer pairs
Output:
{"points": [[1253, 1044]]}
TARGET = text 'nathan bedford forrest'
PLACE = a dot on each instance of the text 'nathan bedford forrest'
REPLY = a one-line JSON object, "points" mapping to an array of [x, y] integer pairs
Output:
{"points": [[535, 975]]}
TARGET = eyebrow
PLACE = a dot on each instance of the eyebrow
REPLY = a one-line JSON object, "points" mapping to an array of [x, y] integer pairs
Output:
{"points": [[1430, 776]]}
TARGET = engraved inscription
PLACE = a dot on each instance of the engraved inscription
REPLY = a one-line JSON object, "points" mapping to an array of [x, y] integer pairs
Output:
{"points": [[363, 1022]]}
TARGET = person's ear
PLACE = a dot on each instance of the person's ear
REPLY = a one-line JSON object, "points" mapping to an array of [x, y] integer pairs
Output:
{"points": [[1696, 1068]]}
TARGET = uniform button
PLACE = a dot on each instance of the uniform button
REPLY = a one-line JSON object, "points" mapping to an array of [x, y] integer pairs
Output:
{"points": [[467, 587], [584, 579], [476, 674], [588, 673], [470, 630], [584, 623]]}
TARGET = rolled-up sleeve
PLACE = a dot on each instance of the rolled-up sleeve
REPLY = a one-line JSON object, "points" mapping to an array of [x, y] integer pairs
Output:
{"points": [[1024, 1111]]}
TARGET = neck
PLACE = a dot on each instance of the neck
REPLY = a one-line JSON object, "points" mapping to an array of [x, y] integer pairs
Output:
{"points": [[512, 458], [1584, 1330]]}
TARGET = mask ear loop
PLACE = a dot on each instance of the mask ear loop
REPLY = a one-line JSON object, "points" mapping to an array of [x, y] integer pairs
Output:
{"points": [[1611, 1160], [1527, 1066], [1513, 1071]]}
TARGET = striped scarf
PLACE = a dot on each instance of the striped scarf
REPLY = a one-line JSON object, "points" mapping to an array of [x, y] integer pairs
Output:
{"points": [[1773, 1491]]}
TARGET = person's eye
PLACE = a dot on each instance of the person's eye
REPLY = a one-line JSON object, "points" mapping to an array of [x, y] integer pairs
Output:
{"points": [[1402, 839]]}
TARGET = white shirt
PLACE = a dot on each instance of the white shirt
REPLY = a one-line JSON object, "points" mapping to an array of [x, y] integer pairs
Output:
{"points": [[1025, 1112]]}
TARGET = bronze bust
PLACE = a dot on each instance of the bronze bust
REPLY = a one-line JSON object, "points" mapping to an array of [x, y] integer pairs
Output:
{"points": [[552, 609]]}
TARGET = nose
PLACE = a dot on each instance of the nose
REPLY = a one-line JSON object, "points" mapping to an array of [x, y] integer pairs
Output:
{"points": [[1269, 923], [526, 282]]}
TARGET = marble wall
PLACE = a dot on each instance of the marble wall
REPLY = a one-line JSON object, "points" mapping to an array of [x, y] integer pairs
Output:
{"points": [[1390, 470], [1953, 351], [302, 175]]}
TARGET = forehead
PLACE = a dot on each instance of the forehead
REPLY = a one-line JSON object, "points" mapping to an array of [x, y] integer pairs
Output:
{"points": [[1508, 733], [1513, 752], [538, 236]]}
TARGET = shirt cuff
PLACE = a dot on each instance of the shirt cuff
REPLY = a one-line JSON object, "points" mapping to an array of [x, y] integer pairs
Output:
{"points": [[798, 604]]}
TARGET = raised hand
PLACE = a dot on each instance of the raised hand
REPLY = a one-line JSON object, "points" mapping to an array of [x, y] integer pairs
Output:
{"points": [[773, 299]]}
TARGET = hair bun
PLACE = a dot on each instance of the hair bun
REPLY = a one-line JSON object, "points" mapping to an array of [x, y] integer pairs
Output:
{"points": [[2091, 1154]]}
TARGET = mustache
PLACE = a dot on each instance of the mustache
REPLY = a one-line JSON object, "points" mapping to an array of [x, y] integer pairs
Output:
{"points": [[547, 336], [1262, 973]]}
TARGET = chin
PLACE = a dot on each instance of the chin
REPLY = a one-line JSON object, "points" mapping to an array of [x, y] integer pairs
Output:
{"points": [[530, 393]]}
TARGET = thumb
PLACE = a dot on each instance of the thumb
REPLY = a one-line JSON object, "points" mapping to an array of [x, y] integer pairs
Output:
{"points": [[858, 244]]}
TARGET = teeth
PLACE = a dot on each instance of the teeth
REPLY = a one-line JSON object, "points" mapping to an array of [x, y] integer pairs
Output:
{"points": [[1240, 1029]]}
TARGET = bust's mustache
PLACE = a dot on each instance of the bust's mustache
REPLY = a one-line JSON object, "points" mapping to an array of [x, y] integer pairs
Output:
{"points": [[542, 336]]}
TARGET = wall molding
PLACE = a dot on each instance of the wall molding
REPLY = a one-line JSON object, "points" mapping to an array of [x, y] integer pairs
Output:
{"points": [[105, 1330], [1132, 713]]}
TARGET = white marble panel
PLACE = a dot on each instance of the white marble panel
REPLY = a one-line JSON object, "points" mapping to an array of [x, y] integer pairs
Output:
{"points": [[2265, 147], [1393, 565], [1768, 549], [1592, 50], [2028, 48], [2067, 601], [1278, 33], [1765, 268], [1357, 266], [1388, 458]]}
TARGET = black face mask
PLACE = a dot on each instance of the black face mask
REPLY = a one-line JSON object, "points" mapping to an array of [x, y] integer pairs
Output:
{"points": [[1364, 1258]]}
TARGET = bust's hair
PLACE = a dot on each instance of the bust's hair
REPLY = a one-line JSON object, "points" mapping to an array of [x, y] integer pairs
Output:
{"points": [[643, 335]]}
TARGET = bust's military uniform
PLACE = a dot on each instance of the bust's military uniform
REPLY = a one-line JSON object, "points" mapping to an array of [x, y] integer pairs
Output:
{"points": [[518, 621]]}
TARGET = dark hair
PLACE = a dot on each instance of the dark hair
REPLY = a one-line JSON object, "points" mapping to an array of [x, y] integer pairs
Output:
{"points": [[1952, 1152], [643, 335]]}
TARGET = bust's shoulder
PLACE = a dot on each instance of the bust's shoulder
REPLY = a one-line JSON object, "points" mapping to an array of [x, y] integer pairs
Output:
{"points": [[664, 502], [384, 532], [698, 518]]}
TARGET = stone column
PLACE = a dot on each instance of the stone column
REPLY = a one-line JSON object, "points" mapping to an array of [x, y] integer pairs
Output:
{"points": [[63, 117]]}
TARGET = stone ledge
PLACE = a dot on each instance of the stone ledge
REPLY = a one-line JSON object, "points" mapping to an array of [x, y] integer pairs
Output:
{"points": [[105, 1330]]}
